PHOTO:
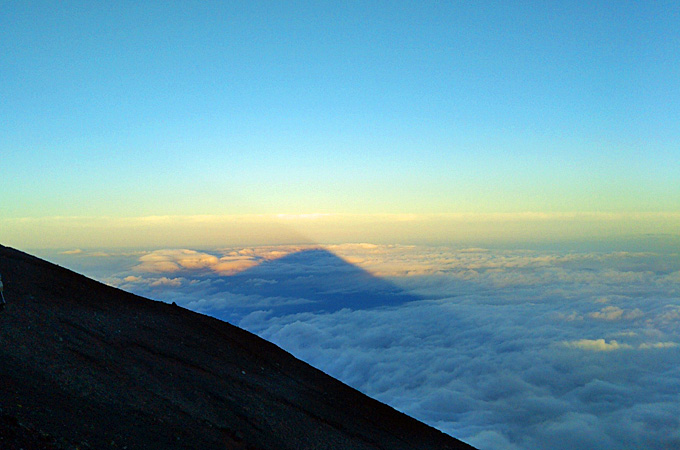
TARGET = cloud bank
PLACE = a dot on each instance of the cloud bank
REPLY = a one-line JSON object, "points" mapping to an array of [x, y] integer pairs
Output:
{"points": [[505, 349]]}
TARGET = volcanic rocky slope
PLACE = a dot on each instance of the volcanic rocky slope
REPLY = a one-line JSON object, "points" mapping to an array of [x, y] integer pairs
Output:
{"points": [[84, 365]]}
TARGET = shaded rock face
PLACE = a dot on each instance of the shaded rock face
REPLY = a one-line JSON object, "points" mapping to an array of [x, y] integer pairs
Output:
{"points": [[84, 365]]}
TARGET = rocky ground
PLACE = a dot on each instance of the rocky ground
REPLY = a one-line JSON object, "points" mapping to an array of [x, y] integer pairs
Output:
{"points": [[84, 365]]}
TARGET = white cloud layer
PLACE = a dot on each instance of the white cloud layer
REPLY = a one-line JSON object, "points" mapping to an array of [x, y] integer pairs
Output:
{"points": [[503, 349], [598, 345]]}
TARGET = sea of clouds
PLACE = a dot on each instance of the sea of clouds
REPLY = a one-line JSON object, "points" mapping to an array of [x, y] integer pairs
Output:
{"points": [[504, 349]]}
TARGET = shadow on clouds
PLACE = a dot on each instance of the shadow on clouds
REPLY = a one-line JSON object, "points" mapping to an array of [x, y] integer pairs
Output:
{"points": [[314, 280]]}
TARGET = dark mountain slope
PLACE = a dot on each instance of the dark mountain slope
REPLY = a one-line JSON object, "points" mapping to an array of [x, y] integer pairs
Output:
{"points": [[84, 365]]}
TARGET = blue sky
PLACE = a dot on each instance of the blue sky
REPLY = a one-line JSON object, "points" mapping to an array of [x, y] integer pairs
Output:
{"points": [[132, 109]]}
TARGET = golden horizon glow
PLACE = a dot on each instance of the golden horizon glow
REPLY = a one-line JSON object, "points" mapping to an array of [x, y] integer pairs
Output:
{"points": [[202, 231]]}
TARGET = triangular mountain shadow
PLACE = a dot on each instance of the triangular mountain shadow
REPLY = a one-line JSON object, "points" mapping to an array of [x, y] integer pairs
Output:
{"points": [[319, 281]]}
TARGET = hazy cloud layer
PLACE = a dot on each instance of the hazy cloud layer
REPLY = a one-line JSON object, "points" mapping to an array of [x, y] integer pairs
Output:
{"points": [[503, 349]]}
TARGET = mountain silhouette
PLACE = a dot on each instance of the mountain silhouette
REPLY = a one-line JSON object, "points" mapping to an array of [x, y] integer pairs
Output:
{"points": [[84, 365], [315, 280]]}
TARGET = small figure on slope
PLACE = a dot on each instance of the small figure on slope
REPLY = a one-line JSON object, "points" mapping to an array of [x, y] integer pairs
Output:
{"points": [[2, 296]]}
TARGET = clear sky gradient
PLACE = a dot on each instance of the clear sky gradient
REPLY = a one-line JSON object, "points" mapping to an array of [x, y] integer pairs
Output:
{"points": [[119, 111]]}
